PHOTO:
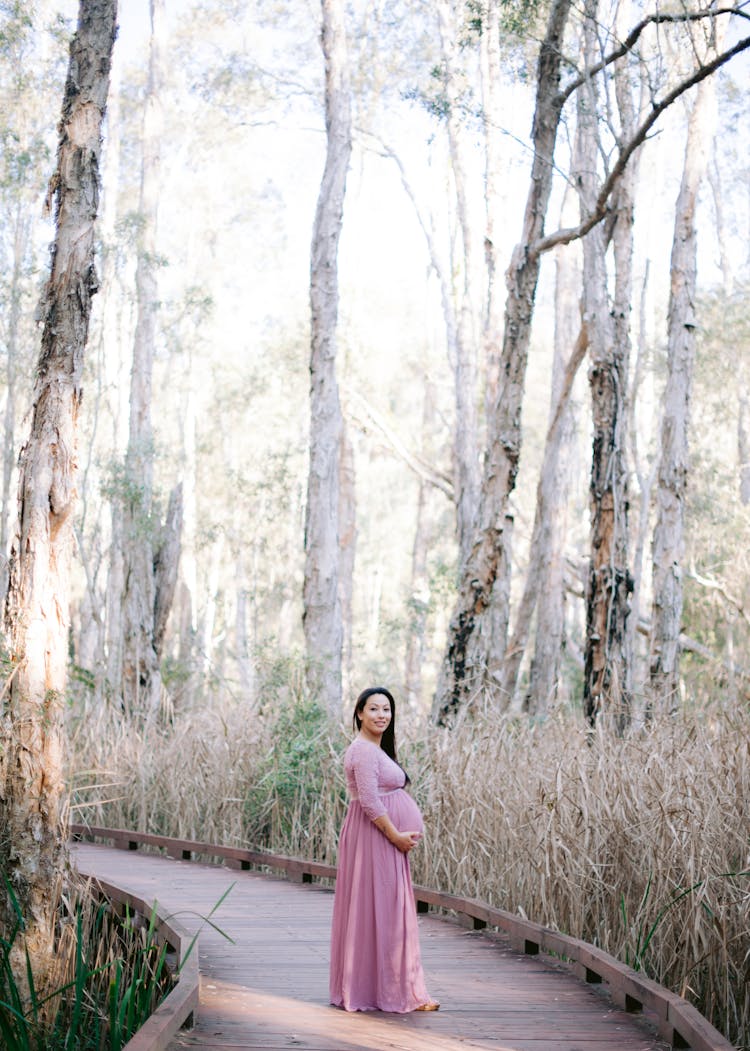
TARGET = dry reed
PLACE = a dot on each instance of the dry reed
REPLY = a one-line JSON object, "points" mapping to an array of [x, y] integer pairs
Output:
{"points": [[636, 844]]}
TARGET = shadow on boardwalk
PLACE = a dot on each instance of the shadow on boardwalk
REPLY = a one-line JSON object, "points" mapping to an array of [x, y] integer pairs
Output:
{"points": [[269, 990]]}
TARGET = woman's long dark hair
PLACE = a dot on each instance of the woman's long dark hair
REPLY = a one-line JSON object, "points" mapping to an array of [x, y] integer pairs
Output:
{"points": [[388, 740]]}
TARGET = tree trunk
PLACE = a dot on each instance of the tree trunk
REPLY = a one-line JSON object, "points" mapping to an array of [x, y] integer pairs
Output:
{"points": [[419, 588], [20, 245], [494, 179], [743, 447], [32, 845], [668, 543], [322, 607], [545, 569], [141, 676], [466, 437], [187, 590], [472, 635], [165, 566], [552, 501], [722, 233], [645, 473], [347, 552], [545, 550], [609, 584]]}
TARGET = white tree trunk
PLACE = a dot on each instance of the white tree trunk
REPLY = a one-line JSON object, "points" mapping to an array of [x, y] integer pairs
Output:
{"points": [[419, 589], [569, 347], [141, 677], [322, 606], [466, 434], [668, 542], [347, 552], [494, 179], [743, 447], [20, 243], [32, 844]]}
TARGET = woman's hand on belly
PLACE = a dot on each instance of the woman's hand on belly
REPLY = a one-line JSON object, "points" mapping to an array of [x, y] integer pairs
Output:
{"points": [[403, 841]]}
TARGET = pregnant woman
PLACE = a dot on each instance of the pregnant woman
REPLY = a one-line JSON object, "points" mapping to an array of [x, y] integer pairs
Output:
{"points": [[375, 959]]}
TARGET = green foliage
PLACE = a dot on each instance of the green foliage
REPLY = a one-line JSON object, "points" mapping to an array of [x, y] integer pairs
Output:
{"points": [[100, 1005], [517, 17], [123, 485], [300, 770]]}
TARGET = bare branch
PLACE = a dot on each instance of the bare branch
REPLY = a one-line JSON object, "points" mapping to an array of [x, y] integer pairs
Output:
{"points": [[720, 589], [544, 244], [631, 39], [361, 412]]}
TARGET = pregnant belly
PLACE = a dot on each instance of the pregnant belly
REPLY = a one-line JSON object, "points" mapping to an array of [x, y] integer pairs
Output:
{"points": [[403, 811]]}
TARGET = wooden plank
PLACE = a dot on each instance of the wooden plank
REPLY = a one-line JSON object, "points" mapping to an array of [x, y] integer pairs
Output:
{"points": [[269, 989]]}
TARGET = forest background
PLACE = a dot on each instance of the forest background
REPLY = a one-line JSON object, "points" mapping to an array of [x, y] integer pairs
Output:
{"points": [[211, 721]]}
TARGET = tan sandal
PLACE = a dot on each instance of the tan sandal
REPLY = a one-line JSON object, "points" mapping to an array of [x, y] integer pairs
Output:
{"points": [[433, 1005]]}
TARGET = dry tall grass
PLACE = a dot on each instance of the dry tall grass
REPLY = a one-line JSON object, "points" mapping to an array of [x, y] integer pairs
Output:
{"points": [[639, 845]]}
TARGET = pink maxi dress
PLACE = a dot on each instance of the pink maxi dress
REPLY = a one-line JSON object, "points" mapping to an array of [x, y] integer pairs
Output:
{"points": [[375, 958]]}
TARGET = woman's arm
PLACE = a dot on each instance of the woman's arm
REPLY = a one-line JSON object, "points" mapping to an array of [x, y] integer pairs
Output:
{"points": [[365, 770], [404, 841]]}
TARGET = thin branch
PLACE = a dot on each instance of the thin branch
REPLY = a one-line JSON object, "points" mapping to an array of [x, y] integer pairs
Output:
{"points": [[360, 411], [717, 586], [630, 40], [544, 244]]}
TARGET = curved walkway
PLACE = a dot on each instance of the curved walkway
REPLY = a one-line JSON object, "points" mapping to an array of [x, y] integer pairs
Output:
{"points": [[269, 990]]}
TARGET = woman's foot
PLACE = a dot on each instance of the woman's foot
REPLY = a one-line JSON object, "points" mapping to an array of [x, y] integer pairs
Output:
{"points": [[432, 1005]]}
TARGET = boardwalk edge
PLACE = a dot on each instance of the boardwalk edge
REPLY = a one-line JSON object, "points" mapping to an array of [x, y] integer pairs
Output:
{"points": [[679, 1022], [179, 1008]]}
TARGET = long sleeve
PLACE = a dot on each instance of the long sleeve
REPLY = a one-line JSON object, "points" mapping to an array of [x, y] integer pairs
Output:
{"points": [[365, 769]]}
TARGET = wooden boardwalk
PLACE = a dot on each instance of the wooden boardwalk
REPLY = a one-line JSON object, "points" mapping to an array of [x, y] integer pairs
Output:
{"points": [[269, 990]]}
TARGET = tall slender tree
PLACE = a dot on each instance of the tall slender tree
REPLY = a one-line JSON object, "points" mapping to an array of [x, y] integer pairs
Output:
{"points": [[32, 840], [668, 541], [149, 550], [607, 658], [466, 430], [322, 602]]}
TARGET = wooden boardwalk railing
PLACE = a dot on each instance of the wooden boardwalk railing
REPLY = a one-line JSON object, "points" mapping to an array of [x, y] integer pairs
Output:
{"points": [[180, 1004], [678, 1022]]}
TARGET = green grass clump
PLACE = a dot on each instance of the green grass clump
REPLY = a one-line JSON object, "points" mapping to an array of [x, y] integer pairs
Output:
{"points": [[110, 976]]}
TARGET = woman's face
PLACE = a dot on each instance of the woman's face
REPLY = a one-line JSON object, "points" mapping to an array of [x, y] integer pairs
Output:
{"points": [[376, 715]]}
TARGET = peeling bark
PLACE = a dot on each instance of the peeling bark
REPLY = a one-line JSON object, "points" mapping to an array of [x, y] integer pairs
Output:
{"points": [[32, 837], [606, 688], [166, 563], [743, 448], [419, 590], [493, 181]]}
